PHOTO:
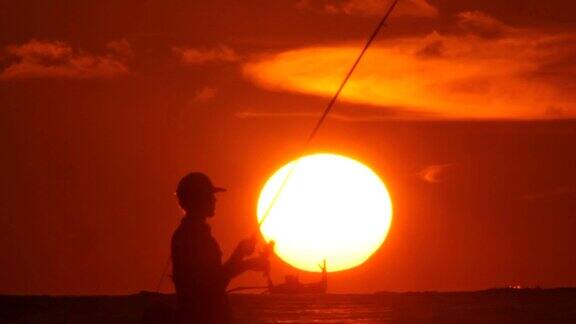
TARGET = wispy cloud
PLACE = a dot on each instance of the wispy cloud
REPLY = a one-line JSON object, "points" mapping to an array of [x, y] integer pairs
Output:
{"points": [[487, 71], [434, 173], [199, 56], [205, 94], [56, 59]]}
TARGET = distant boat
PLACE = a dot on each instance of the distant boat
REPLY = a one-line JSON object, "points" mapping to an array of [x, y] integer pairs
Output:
{"points": [[293, 286]]}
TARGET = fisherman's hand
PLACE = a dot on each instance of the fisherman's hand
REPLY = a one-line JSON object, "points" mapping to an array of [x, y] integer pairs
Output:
{"points": [[246, 247], [260, 264], [268, 249]]}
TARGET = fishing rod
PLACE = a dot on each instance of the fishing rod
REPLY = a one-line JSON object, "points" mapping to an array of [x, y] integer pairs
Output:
{"points": [[269, 248], [327, 110], [312, 135]]}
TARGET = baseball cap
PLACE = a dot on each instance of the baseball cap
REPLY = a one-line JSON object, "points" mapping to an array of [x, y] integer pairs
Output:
{"points": [[196, 183]]}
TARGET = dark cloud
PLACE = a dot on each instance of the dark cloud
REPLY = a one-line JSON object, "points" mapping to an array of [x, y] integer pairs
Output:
{"points": [[121, 47], [433, 49], [525, 14], [205, 94], [56, 59], [483, 25], [199, 56], [558, 64], [414, 8]]}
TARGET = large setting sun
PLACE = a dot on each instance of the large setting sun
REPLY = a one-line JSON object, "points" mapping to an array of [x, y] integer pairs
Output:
{"points": [[331, 208]]}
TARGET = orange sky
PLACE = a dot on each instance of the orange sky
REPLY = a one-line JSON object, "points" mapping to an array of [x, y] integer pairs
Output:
{"points": [[465, 107]]}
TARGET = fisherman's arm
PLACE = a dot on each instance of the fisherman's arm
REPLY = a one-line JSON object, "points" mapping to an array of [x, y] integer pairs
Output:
{"points": [[209, 272], [237, 263]]}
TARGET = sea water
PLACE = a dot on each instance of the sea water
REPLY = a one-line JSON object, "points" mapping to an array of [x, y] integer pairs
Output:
{"points": [[490, 306]]}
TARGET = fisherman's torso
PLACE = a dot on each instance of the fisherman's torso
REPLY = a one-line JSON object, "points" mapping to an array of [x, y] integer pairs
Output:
{"points": [[197, 272]]}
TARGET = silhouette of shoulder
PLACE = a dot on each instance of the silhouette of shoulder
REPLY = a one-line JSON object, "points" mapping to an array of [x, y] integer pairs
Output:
{"points": [[195, 253]]}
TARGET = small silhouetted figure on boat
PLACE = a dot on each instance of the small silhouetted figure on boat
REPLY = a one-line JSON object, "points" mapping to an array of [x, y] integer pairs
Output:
{"points": [[198, 273], [292, 284]]}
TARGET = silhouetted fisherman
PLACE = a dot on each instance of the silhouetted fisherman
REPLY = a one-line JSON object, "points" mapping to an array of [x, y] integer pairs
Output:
{"points": [[198, 273]]}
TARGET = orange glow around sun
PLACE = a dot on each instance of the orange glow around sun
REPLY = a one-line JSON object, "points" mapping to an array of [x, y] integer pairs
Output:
{"points": [[332, 207]]}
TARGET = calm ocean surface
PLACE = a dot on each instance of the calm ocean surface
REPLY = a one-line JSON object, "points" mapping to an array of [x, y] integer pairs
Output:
{"points": [[490, 306], [310, 309]]}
